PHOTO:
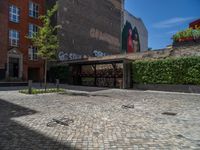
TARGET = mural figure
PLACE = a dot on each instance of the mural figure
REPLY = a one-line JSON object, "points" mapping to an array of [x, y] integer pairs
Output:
{"points": [[130, 39], [130, 42], [136, 40]]}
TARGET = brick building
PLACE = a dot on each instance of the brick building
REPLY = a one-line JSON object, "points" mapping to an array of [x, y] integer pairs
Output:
{"points": [[89, 28], [95, 28], [18, 59]]}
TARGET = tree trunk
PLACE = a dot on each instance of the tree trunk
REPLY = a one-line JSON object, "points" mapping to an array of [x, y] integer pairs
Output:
{"points": [[45, 75]]}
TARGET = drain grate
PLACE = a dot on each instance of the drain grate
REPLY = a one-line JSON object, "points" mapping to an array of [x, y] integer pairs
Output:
{"points": [[169, 113], [62, 121], [128, 106]]}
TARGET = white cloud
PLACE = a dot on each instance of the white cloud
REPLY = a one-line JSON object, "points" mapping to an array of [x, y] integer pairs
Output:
{"points": [[172, 22]]}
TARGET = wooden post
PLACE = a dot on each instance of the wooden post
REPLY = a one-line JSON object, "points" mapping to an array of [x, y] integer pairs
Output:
{"points": [[57, 84], [115, 79], [124, 83], [30, 87]]}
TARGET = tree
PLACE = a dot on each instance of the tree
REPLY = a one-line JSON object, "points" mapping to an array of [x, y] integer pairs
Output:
{"points": [[46, 40]]}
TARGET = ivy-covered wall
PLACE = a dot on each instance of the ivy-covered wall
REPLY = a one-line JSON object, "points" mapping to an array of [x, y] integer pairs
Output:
{"points": [[183, 70]]}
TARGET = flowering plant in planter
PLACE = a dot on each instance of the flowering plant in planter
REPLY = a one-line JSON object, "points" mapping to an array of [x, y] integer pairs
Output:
{"points": [[196, 34], [187, 35]]}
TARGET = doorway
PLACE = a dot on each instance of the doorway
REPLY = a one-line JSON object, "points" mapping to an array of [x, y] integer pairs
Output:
{"points": [[14, 67], [34, 74]]}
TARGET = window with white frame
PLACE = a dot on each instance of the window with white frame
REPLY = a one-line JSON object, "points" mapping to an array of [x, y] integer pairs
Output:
{"points": [[14, 13], [32, 53], [14, 38], [32, 29], [33, 10]]}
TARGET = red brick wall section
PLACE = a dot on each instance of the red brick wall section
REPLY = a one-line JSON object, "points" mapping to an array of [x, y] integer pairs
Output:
{"points": [[22, 27], [3, 33]]}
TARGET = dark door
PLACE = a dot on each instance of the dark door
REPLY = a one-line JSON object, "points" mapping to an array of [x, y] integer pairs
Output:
{"points": [[14, 67], [16, 70], [34, 74]]}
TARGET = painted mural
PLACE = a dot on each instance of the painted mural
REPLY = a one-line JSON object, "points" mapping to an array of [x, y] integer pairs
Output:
{"points": [[130, 39]]}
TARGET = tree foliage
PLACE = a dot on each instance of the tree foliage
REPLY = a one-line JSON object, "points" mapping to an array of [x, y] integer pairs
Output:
{"points": [[46, 39]]}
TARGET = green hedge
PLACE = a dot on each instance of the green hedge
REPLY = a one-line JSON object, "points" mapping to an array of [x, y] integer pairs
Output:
{"points": [[42, 91], [185, 70]]}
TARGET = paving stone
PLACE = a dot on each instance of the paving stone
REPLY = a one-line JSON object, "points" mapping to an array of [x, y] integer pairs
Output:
{"points": [[100, 122]]}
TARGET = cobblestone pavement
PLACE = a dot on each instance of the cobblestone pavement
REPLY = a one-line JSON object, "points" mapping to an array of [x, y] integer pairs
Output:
{"points": [[102, 120]]}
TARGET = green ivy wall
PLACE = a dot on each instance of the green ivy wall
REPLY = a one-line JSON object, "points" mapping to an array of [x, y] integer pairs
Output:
{"points": [[184, 70]]}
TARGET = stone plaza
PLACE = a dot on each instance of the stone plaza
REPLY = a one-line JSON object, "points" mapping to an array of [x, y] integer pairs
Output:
{"points": [[101, 119]]}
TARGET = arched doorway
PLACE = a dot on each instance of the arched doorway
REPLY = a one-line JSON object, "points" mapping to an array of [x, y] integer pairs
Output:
{"points": [[14, 64]]}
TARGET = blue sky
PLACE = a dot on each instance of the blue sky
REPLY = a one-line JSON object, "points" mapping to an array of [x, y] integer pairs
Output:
{"points": [[163, 18]]}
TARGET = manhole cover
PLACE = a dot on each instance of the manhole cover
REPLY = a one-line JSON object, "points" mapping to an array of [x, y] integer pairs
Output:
{"points": [[61, 121], [169, 113], [128, 106]]}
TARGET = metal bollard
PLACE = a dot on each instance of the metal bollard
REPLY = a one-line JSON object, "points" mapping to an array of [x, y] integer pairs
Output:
{"points": [[57, 84], [30, 87]]}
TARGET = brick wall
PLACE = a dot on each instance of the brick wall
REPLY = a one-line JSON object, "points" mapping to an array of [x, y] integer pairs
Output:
{"points": [[3, 37], [178, 50], [22, 27], [90, 25], [3, 33], [189, 49]]}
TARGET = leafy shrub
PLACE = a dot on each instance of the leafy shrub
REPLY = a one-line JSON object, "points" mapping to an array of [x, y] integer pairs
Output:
{"points": [[41, 91], [188, 33], [196, 34], [184, 70]]}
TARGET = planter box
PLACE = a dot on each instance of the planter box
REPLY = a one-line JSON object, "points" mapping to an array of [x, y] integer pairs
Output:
{"points": [[169, 88], [186, 43]]}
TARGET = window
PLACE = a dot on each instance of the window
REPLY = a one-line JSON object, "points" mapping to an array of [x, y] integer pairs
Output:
{"points": [[32, 53], [14, 38], [14, 14], [33, 10], [32, 30]]}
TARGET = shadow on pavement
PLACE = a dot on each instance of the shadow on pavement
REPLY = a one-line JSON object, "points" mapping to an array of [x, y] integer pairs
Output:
{"points": [[16, 136]]}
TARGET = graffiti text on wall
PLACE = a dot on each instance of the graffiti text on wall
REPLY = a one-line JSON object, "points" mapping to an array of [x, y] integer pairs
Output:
{"points": [[95, 33], [64, 56], [99, 53]]}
